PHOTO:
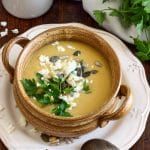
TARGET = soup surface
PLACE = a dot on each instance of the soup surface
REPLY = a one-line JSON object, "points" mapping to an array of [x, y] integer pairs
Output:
{"points": [[89, 89]]}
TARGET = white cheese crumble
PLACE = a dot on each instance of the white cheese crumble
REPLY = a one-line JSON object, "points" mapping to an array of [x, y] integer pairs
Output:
{"points": [[70, 47], [79, 86], [4, 33], [91, 81], [3, 23], [58, 65], [15, 31], [70, 66], [64, 57], [69, 99], [55, 43], [44, 72], [44, 59], [60, 48]]}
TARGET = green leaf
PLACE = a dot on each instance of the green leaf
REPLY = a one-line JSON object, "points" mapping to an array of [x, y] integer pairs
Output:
{"points": [[68, 90], [139, 27], [114, 12], [100, 16], [143, 49], [60, 110], [29, 86], [86, 87], [146, 3], [143, 56], [44, 100], [132, 12]]}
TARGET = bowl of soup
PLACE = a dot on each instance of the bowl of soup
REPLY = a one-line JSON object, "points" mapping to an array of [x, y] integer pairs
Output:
{"points": [[66, 81]]}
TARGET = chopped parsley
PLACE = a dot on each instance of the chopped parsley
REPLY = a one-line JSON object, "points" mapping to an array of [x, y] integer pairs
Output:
{"points": [[47, 92]]}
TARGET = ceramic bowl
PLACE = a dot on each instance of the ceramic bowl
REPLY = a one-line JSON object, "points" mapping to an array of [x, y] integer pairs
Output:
{"points": [[70, 126]]}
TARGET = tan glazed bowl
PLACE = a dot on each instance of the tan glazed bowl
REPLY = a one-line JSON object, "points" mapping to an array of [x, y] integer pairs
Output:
{"points": [[70, 126]]}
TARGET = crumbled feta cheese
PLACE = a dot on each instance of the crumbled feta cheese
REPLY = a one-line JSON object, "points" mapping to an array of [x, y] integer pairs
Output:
{"points": [[71, 66], [1, 108], [42, 78], [72, 105], [38, 84], [76, 95], [79, 87], [69, 99], [64, 97], [4, 33], [58, 65], [53, 73], [64, 57], [71, 81], [44, 59], [91, 81], [44, 72], [10, 128], [15, 31], [70, 47], [74, 80], [61, 48], [3, 23], [55, 43], [34, 98], [75, 77], [52, 98]]}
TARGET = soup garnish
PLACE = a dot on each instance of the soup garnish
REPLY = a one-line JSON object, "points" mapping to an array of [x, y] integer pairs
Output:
{"points": [[60, 81]]}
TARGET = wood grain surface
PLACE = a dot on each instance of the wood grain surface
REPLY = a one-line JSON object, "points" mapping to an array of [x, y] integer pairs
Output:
{"points": [[64, 11]]}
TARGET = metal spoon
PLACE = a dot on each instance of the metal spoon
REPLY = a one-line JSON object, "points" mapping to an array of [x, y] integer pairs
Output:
{"points": [[98, 144]]}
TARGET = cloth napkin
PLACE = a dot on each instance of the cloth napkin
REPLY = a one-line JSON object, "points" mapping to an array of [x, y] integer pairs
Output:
{"points": [[112, 24]]}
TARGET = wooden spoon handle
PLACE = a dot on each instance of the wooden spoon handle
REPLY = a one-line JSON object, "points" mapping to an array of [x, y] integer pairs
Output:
{"points": [[120, 111], [6, 51]]}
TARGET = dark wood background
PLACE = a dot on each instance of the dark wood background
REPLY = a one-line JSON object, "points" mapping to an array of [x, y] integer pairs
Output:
{"points": [[64, 11]]}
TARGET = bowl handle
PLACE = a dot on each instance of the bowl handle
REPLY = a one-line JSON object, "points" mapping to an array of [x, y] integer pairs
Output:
{"points": [[120, 111], [5, 54]]}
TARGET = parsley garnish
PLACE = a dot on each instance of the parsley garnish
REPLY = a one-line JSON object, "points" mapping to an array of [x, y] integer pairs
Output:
{"points": [[86, 87], [47, 92], [60, 110]]}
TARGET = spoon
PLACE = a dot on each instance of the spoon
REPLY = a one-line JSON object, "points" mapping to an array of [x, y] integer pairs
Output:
{"points": [[98, 144]]}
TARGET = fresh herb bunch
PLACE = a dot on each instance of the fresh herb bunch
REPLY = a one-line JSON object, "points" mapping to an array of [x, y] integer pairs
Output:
{"points": [[132, 12], [48, 91]]}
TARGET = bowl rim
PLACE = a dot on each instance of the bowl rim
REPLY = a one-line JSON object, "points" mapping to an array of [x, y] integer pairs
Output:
{"points": [[25, 97]]}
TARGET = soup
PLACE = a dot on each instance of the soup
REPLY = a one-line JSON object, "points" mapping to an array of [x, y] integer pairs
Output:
{"points": [[79, 72]]}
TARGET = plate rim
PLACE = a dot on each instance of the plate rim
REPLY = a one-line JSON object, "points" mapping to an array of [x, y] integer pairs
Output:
{"points": [[132, 57]]}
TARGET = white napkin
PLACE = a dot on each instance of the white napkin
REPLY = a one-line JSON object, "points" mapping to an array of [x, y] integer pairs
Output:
{"points": [[112, 24]]}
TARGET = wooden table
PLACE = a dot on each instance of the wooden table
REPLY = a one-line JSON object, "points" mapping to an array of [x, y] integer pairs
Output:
{"points": [[64, 11]]}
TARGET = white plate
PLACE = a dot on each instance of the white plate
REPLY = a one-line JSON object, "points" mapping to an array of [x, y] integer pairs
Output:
{"points": [[123, 133], [111, 24]]}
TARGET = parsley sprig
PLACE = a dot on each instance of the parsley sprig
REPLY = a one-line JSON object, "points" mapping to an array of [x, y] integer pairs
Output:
{"points": [[132, 12], [48, 91]]}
